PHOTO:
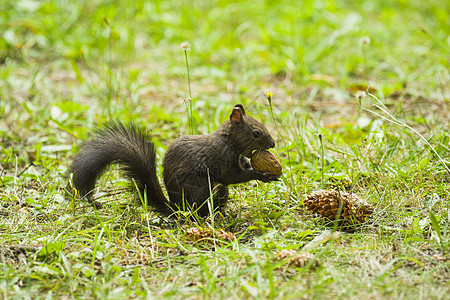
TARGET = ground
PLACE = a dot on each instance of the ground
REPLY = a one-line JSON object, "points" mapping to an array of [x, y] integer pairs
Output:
{"points": [[360, 104]]}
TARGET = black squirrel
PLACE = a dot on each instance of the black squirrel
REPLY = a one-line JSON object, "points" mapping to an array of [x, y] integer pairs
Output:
{"points": [[193, 167]]}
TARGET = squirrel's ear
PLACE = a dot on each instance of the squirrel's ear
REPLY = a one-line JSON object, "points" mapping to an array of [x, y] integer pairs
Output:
{"points": [[237, 114], [241, 108]]}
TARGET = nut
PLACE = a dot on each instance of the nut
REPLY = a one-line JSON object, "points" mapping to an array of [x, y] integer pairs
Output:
{"points": [[265, 161]]}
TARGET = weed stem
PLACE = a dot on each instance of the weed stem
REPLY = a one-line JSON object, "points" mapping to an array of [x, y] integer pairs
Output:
{"points": [[395, 121], [190, 104]]}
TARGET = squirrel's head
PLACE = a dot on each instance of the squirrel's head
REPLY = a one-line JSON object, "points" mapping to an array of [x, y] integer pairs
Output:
{"points": [[247, 133]]}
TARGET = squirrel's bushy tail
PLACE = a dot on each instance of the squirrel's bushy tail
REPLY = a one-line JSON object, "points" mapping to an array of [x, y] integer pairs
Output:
{"points": [[131, 147]]}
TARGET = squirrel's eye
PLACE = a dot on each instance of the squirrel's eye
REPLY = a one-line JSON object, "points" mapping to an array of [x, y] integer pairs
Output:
{"points": [[256, 134]]}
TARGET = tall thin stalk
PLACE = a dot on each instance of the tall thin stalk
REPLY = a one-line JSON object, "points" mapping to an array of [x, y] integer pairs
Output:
{"points": [[323, 160], [189, 103], [108, 66], [269, 95]]}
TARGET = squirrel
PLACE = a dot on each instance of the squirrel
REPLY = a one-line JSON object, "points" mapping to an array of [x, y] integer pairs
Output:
{"points": [[194, 166]]}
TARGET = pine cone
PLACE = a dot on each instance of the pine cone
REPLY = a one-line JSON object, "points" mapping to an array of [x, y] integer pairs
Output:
{"points": [[326, 203], [298, 259], [202, 234]]}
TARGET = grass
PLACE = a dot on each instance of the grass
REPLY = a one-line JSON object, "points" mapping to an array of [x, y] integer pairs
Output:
{"points": [[67, 66]]}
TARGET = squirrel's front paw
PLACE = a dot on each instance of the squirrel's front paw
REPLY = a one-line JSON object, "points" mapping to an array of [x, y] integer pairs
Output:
{"points": [[268, 176]]}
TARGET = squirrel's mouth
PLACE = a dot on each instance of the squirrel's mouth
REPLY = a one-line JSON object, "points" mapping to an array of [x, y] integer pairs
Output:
{"points": [[252, 152], [248, 154]]}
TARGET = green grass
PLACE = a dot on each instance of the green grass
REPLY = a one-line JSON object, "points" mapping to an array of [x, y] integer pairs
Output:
{"points": [[67, 66]]}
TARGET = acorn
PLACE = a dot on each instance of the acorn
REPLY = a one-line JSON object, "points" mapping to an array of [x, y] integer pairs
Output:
{"points": [[348, 209], [265, 161]]}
